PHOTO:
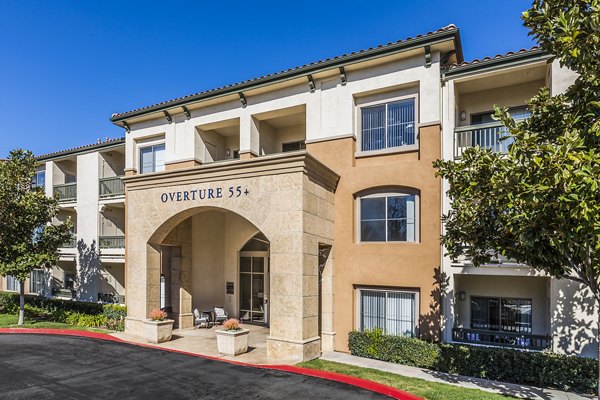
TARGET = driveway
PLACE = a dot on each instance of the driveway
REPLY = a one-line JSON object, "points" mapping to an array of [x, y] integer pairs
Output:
{"points": [[36, 366]]}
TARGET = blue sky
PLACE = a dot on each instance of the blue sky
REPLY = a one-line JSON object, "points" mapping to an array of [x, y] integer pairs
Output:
{"points": [[68, 65]]}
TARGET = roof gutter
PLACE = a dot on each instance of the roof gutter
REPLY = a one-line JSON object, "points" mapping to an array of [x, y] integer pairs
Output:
{"points": [[434, 38]]}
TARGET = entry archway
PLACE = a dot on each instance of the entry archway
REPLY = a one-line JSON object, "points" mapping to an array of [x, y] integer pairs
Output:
{"points": [[288, 199]]}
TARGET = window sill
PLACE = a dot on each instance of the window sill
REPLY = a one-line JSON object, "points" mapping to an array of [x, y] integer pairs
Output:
{"points": [[392, 243], [388, 151]]}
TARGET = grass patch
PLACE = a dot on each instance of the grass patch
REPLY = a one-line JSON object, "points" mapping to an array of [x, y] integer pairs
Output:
{"points": [[10, 321], [418, 387]]}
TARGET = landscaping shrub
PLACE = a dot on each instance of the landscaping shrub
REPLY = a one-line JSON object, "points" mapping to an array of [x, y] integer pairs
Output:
{"points": [[509, 365], [396, 349], [115, 316], [111, 316], [86, 320]]}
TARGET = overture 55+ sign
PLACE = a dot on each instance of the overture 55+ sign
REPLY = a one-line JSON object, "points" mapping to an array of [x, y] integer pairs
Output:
{"points": [[205, 194]]}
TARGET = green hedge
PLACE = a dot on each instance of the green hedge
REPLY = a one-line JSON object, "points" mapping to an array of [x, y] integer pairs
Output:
{"points": [[396, 349], [508, 365], [87, 314]]}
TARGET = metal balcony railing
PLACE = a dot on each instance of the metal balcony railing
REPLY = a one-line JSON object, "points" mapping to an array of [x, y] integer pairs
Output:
{"points": [[487, 136], [66, 192], [110, 187], [111, 242], [503, 339]]}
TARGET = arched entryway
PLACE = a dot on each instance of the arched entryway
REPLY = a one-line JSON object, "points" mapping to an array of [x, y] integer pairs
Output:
{"points": [[288, 201], [214, 258]]}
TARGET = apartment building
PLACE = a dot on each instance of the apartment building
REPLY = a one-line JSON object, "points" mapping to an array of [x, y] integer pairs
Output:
{"points": [[306, 201], [505, 303], [87, 182]]}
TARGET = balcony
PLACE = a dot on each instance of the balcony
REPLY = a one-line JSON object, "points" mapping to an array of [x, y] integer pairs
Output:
{"points": [[502, 339], [111, 187], [487, 136], [111, 242], [66, 192], [71, 243]]}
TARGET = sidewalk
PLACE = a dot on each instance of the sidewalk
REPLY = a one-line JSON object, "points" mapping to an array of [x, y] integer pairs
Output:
{"points": [[525, 392]]}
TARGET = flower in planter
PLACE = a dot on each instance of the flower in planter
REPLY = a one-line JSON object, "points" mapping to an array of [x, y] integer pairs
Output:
{"points": [[232, 324], [157, 315]]}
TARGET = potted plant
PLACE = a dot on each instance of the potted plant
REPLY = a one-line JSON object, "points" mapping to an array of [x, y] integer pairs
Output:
{"points": [[157, 327], [232, 339]]}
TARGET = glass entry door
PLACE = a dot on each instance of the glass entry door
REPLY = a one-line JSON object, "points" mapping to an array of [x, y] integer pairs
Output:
{"points": [[254, 287]]}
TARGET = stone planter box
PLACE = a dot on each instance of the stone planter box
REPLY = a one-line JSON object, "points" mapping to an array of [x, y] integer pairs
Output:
{"points": [[232, 343], [158, 331]]}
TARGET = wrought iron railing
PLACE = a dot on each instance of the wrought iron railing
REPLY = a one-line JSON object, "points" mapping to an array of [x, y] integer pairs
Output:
{"points": [[493, 136], [110, 187], [503, 339], [66, 192], [112, 242]]}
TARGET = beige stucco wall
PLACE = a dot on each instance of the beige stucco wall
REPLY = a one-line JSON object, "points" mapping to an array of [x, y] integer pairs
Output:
{"points": [[574, 316]]}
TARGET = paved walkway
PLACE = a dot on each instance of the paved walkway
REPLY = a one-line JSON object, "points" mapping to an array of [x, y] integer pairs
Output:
{"points": [[204, 342], [525, 392]]}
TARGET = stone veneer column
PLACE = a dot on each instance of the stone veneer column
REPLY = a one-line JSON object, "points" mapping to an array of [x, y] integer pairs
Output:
{"points": [[294, 333]]}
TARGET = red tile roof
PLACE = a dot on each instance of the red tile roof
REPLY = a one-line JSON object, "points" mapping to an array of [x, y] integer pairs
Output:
{"points": [[534, 49], [98, 145], [343, 57]]}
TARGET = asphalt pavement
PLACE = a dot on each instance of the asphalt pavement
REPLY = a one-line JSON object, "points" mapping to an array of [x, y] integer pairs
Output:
{"points": [[34, 366]]}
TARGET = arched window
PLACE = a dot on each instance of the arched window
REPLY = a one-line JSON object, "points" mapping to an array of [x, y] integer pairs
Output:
{"points": [[388, 216]]}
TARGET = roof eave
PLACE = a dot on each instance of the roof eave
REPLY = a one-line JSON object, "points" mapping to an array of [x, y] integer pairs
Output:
{"points": [[81, 150], [410, 44], [495, 63]]}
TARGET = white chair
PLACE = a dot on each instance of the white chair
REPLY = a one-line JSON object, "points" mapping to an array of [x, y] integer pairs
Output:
{"points": [[201, 319], [220, 315]]}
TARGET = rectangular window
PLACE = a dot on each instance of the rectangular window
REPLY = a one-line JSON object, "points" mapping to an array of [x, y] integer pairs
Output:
{"points": [[388, 218], [388, 125], [36, 281], [39, 179], [501, 314], [293, 146], [392, 311], [152, 159], [12, 284]]}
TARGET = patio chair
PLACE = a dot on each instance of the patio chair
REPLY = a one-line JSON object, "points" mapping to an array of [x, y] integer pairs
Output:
{"points": [[201, 319], [220, 315]]}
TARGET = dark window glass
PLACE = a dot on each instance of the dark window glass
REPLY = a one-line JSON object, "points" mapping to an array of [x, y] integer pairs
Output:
{"points": [[293, 146], [494, 314], [390, 218]]}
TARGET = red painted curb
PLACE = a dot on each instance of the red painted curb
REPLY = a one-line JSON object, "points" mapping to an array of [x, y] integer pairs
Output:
{"points": [[332, 376]]}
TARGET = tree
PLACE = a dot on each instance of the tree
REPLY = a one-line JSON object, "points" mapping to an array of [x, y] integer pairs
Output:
{"points": [[540, 203], [28, 240]]}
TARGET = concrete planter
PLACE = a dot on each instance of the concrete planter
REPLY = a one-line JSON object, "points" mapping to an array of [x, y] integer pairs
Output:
{"points": [[232, 343], [158, 331]]}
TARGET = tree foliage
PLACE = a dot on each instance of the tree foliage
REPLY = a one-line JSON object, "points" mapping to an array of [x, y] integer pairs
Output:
{"points": [[28, 239], [540, 203]]}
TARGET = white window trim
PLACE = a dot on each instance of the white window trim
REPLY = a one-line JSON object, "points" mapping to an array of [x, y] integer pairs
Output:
{"points": [[357, 301], [388, 150], [386, 193], [145, 146]]}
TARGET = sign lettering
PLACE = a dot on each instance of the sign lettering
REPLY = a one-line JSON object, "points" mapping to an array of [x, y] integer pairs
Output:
{"points": [[205, 194]]}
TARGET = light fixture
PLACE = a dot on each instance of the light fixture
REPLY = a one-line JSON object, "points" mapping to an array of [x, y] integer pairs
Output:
{"points": [[462, 296], [463, 115]]}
